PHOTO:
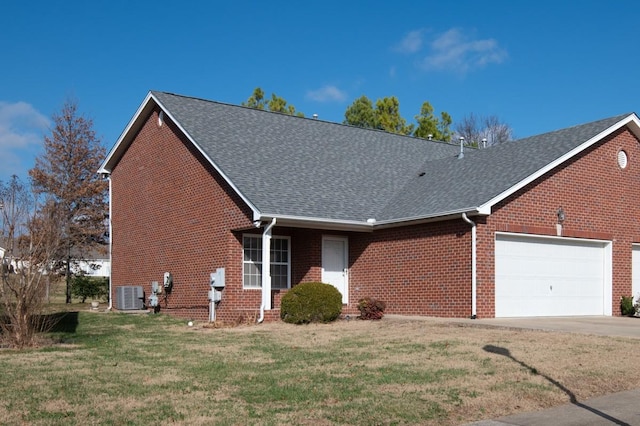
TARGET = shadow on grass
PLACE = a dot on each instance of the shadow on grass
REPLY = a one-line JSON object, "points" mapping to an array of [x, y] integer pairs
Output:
{"points": [[63, 322], [572, 397], [58, 322]]}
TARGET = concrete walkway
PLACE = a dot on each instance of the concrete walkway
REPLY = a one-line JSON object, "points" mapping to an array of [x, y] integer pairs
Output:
{"points": [[593, 325], [621, 408], [601, 326]]}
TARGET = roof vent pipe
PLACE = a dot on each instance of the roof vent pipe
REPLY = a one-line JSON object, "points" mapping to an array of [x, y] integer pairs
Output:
{"points": [[484, 142], [461, 155]]}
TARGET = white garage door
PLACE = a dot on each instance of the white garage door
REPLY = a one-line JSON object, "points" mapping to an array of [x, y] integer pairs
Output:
{"points": [[545, 276], [635, 287]]}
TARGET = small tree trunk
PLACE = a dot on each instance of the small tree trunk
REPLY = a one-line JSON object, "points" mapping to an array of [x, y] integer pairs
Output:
{"points": [[68, 280]]}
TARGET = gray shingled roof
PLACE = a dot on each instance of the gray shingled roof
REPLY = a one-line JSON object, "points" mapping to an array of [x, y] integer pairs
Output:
{"points": [[467, 183], [294, 166], [306, 168]]}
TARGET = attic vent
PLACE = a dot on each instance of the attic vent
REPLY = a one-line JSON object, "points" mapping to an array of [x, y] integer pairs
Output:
{"points": [[623, 160], [160, 118], [129, 297]]}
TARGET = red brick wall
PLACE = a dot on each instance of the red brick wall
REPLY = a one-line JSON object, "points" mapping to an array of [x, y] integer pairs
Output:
{"points": [[173, 213], [416, 270], [600, 201]]}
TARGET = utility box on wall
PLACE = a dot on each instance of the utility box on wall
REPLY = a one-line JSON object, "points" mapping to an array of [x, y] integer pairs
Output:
{"points": [[216, 279]]}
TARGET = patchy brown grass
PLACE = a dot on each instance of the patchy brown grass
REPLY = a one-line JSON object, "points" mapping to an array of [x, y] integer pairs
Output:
{"points": [[122, 369], [507, 370]]}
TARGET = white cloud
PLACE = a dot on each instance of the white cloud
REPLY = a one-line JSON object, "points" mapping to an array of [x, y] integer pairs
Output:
{"points": [[411, 43], [457, 51], [327, 94], [21, 132]]}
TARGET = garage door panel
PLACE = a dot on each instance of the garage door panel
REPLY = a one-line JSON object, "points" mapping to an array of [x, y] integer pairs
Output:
{"points": [[549, 276], [635, 271]]}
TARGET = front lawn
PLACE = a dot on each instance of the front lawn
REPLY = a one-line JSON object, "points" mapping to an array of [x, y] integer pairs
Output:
{"points": [[111, 368]]}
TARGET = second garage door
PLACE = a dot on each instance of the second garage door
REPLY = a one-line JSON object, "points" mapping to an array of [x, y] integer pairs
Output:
{"points": [[545, 276]]}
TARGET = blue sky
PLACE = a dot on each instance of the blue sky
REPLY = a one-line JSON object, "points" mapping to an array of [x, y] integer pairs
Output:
{"points": [[538, 66]]}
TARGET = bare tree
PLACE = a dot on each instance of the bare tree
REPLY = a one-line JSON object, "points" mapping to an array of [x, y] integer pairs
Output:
{"points": [[496, 131], [66, 174], [476, 129], [31, 241]]}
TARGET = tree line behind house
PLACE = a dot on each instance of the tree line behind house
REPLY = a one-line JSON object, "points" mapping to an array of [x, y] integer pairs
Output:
{"points": [[476, 130]]}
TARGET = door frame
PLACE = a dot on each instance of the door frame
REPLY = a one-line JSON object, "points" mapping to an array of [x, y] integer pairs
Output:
{"points": [[345, 240], [635, 272]]}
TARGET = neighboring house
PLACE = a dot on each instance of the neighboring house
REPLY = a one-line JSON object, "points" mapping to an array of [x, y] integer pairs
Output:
{"points": [[10, 261], [2, 252], [93, 264], [544, 226]]}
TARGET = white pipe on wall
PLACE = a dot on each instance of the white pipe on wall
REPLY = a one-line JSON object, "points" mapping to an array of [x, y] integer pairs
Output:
{"points": [[266, 269], [110, 306], [473, 265]]}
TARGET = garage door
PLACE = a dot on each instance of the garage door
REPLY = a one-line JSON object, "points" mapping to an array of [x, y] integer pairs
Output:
{"points": [[545, 276], [635, 287]]}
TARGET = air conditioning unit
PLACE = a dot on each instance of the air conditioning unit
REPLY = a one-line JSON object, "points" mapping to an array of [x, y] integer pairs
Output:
{"points": [[129, 297]]}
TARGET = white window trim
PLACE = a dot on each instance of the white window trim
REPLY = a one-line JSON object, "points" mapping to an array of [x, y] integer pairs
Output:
{"points": [[288, 263]]}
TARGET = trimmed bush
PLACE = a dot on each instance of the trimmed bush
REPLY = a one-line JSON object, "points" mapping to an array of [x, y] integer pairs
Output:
{"points": [[371, 309], [311, 302], [84, 287], [626, 306]]}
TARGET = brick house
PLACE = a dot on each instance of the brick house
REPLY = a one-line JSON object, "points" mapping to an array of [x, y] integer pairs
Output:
{"points": [[542, 226]]}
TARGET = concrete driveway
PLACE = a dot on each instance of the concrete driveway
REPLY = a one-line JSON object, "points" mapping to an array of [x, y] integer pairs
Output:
{"points": [[594, 325], [598, 325]]}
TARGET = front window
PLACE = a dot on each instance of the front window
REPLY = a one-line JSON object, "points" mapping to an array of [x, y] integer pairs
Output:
{"points": [[252, 262]]}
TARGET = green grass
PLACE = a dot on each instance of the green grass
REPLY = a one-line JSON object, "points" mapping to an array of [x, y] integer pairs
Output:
{"points": [[122, 369], [141, 369]]}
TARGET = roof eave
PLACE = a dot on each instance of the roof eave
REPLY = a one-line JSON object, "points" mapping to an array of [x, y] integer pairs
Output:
{"points": [[436, 217], [364, 226], [316, 223], [136, 123], [127, 135], [631, 120]]}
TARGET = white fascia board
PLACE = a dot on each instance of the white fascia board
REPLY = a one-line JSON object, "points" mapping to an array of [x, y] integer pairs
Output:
{"points": [[120, 144], [438, 217], [134, 125], [631, 120], [363, 226], [254, 209], [317, 223]]}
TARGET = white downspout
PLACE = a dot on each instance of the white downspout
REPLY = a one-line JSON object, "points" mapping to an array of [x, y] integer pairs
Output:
{"points": [[266, 269], [473, 265], [110, 306]]}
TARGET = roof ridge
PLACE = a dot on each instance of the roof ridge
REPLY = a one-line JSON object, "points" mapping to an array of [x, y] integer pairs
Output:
{"points": [[311, 119], [565, 129]]}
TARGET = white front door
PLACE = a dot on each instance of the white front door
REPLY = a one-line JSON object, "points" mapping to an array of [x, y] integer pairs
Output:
{"points": [[335, 264]]}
